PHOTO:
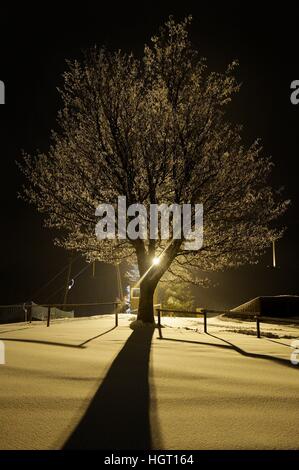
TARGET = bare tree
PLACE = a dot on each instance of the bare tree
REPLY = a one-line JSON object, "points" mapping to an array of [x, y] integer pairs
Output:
{"points": [[154, 130]]}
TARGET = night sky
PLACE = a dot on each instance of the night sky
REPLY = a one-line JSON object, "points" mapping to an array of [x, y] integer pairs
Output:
{"points": [[34, 43]]}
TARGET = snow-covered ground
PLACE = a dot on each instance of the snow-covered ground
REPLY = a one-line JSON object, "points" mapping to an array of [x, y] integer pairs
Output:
{"points": [[222, 390]]}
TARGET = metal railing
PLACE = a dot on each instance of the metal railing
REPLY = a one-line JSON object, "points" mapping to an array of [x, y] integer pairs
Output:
{"points": [[260, 319], [185, 312], [13, 313], [204, 312], [64, 306], [26, 310]]}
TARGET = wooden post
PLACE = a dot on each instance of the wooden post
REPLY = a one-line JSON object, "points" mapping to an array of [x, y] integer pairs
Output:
{"points": [[67, 282], [274, 254], [159, 323], [30, 313], [116, 315], [258, 330], [205, 326], [159, 318], [49, 316], [119, 283]]}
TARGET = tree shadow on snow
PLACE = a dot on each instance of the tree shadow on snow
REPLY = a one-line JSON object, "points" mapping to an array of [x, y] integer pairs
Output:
{"points": [[118, 415]]}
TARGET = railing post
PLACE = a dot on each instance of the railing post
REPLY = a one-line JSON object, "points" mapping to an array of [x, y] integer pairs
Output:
{"points": [[49, 316], [159, 318], [159, 323], [258, 330], [116, 315], [205, 325], [30, 313]]}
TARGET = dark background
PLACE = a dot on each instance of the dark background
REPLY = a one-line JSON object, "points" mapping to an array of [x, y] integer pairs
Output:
{"points": [[34, 43]]}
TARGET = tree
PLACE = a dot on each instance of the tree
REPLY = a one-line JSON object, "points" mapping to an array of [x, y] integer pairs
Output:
{"points": [[154, 130], [178, 296]]}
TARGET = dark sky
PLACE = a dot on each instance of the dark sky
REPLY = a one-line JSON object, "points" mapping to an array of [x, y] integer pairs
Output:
{"points": [[34, 43]]}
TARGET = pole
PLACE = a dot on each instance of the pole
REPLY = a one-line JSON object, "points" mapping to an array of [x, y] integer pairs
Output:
{"points": [[116, 315], [30, 312], [159, 318], [67, 283], [159, 323], [205, 326], [49, 316], [258, 330], [274, 254], [119, 283]]}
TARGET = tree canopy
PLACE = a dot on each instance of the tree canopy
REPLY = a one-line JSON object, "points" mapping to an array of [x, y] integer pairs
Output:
{"points": [[154, 130]]}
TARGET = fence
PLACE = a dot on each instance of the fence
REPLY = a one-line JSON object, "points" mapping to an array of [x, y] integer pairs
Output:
{"points": [[114, 305], [100, 308], [185, 312], [12, 313], [45, 312], [282, 321], [204, 312]]}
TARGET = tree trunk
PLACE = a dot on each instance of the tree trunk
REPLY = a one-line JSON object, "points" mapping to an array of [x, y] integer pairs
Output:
{"points": [[146, 302], [150, 276]]}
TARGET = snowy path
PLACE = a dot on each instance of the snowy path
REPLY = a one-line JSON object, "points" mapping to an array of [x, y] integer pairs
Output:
{"points": [[222, 391]]}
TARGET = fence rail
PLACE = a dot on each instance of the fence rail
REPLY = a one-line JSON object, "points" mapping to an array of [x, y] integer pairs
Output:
{"points": [[254, 316], [204, 312], [185, 312], [113, 304], [283, 321], [25, 310]]}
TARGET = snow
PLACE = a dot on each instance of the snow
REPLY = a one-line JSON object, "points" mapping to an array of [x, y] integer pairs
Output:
{"points": [[223, 390]]}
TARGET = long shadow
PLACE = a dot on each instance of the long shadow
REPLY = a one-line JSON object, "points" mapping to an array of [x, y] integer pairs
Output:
{"points": [[37, 341], [16, 329], [53, 343], [95, 337], [278, 360], [228, 345], [118, 415], [278, 342]]}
